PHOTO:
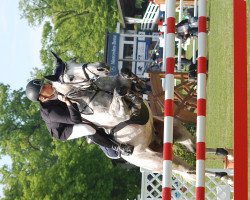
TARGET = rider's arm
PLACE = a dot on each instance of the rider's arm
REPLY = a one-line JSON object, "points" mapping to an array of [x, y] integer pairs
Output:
{"points": [[75, 115], [65, 115], [74, 112], [64, 122]]}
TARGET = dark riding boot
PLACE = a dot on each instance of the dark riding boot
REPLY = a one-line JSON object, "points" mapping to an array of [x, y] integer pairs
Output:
{"points": [[103, 139]]}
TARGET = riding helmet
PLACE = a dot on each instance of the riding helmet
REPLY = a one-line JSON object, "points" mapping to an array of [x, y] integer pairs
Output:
{"points": [[33, 89]]}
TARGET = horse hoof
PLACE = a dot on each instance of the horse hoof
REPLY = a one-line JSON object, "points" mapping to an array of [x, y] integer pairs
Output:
{"points": [[136, 112], [126, 73], [221, 152], [220, 174], [103, 67], [191, 172]]}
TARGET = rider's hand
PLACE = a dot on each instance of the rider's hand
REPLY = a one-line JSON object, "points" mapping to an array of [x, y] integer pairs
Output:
{"points": [[63, 99]]}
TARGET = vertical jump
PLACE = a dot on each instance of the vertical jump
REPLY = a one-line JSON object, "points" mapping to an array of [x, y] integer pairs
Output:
{"points": [[169, 48]]}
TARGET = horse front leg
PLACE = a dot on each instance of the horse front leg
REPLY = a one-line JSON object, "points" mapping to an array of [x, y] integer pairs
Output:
{"points": [[118, 107], [138, 85]]}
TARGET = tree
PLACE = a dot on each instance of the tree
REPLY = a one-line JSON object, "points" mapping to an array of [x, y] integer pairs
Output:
{"points": [[73, 26], [44, 168]]}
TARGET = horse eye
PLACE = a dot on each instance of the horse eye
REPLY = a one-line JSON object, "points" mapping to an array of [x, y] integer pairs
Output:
{"points": [[100, 69]]}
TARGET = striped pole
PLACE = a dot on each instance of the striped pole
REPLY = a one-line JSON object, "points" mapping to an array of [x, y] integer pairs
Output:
{"points": [[201, 101], [169, 47]]}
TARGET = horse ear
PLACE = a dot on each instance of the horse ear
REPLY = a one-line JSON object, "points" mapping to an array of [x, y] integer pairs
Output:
{"points": [[58, 60], [51, 78]]}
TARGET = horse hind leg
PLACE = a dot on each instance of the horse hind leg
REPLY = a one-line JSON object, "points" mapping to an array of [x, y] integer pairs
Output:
{"points": [[183, 136], [217, 151], [146, 159]]}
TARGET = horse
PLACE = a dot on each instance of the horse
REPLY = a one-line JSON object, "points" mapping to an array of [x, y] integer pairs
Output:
{"points": [[100, 103]]}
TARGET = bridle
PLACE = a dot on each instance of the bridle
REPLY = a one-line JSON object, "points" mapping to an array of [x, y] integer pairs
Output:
{"points": [[92, 86], [88, 79]]}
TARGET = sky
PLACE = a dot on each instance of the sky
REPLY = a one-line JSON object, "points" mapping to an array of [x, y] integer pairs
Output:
{"points": [[19, 50], [19, 46]]}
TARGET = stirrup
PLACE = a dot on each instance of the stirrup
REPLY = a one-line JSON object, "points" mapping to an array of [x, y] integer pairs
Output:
{"points": [[124, 149]]}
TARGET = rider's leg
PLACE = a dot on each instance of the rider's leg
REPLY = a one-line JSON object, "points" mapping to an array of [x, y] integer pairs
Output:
{"points": [[103, 139], [81, 130], [100, 137]]}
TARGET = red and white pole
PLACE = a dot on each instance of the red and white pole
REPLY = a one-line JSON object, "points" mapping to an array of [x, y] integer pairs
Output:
{"points": [[169, 48], [201, 101]]}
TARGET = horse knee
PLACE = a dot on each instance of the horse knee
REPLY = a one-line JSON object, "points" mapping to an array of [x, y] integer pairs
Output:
{"points": [[181, 165], [121, 91]]}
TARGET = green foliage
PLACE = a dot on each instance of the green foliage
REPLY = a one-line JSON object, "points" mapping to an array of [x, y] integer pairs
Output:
{"points": [[43, 168], [72, 28]]}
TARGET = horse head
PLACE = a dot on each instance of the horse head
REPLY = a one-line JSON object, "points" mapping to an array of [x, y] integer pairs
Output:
{"points": [[72, 72], [84, 73]]}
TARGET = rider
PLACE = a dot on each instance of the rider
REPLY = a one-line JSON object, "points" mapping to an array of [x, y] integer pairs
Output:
{"points": [[64, 121]]}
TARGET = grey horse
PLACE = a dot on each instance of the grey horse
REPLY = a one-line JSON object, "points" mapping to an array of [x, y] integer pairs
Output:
{"points": [[101, 102]]}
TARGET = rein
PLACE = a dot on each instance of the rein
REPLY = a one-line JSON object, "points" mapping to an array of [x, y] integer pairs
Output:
{"points": [[92, 87]]}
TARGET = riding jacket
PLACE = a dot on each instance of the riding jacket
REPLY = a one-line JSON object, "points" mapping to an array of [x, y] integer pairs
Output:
{"points": [[60, 118]]}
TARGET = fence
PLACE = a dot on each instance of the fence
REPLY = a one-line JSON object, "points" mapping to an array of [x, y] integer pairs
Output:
{"points": [[216, 188]]}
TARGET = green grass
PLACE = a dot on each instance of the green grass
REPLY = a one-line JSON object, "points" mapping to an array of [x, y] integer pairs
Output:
{"points": [[220, 78]]}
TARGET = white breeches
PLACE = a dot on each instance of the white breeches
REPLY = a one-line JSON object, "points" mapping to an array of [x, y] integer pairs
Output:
{"points": [[80, 130]]}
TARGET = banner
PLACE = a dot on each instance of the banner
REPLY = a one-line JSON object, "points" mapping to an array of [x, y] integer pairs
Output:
{"points": [[113, 52]]}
